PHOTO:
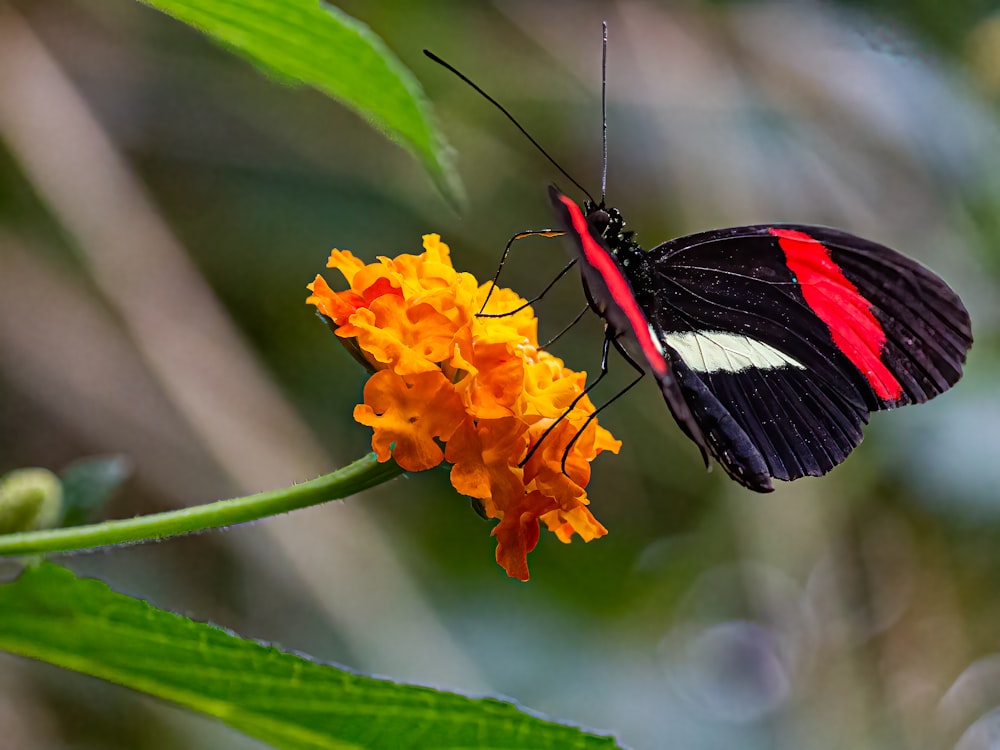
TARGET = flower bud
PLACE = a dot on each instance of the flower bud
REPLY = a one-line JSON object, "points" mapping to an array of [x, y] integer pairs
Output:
{"points": [[30, 499]]}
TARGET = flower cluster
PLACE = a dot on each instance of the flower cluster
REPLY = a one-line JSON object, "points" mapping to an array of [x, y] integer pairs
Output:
{"points": [[476, 392]]}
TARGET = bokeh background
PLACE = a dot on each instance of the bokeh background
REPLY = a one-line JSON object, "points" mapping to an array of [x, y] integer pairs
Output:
{"points": [[163, 204]]}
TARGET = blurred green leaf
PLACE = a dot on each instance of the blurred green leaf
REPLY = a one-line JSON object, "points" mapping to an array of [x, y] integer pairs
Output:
{"points": [[280, 698], [88, 485], [305, 41]]}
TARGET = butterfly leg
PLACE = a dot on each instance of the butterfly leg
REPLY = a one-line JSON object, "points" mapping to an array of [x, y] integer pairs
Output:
{"points": [[609, 339], [534, 299], [573, 403], [503, 260], [577, 319]]}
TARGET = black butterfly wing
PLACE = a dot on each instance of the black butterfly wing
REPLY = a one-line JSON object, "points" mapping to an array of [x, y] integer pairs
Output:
{"points": [[796, 333]]}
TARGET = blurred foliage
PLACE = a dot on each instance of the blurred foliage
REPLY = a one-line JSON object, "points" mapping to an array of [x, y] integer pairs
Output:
{"points": [[88, 485], [858, 610], [947, 29]]}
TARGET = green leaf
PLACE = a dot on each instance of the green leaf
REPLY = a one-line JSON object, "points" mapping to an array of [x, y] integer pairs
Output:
{"points": [[318, 45], [88, 485], [280, 698]]}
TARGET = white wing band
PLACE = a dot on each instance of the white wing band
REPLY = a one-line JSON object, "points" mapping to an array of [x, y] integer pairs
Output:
{"points": [[718, 351]]}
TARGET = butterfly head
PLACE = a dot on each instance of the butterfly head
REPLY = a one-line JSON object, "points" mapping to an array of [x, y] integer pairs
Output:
{"points": [[608, 222]]}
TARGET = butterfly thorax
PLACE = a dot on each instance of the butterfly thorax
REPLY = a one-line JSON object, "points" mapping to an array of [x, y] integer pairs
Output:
{"points": [[629, 255], [611, 226]]}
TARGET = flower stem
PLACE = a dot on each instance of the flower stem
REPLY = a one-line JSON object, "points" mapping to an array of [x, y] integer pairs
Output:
{"points": [[364, 473]]}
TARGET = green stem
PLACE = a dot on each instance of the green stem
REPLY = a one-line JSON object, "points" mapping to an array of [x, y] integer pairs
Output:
{"points": [[364, 473]]}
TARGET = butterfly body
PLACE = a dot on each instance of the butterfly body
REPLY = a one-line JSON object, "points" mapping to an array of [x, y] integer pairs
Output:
{"points": [[771, 343]]}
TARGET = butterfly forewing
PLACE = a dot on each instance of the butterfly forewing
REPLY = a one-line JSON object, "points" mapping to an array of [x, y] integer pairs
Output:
{"points": [[927, 329], [800, 331]]}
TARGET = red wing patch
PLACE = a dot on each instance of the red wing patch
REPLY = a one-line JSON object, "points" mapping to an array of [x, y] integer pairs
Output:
{"points": [[618, 286], [837, 302]]}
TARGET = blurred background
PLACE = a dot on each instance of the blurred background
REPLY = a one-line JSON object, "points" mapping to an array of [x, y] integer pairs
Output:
{"points": [[163, 204]]}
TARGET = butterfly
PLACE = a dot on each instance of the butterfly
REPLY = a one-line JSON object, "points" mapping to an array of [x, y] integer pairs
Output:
{"points": [[771, 343]]}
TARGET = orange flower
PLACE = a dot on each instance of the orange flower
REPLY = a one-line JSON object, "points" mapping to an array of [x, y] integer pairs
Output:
{"points": [[475, 392]]}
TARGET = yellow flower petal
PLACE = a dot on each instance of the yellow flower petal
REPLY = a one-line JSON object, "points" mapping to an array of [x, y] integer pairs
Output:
{"points": [[409, 339], [345, 262], [410, 414]]}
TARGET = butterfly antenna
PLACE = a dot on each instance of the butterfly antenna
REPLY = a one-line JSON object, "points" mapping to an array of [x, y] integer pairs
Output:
{"points": [[604, 113], [510, 117]]}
